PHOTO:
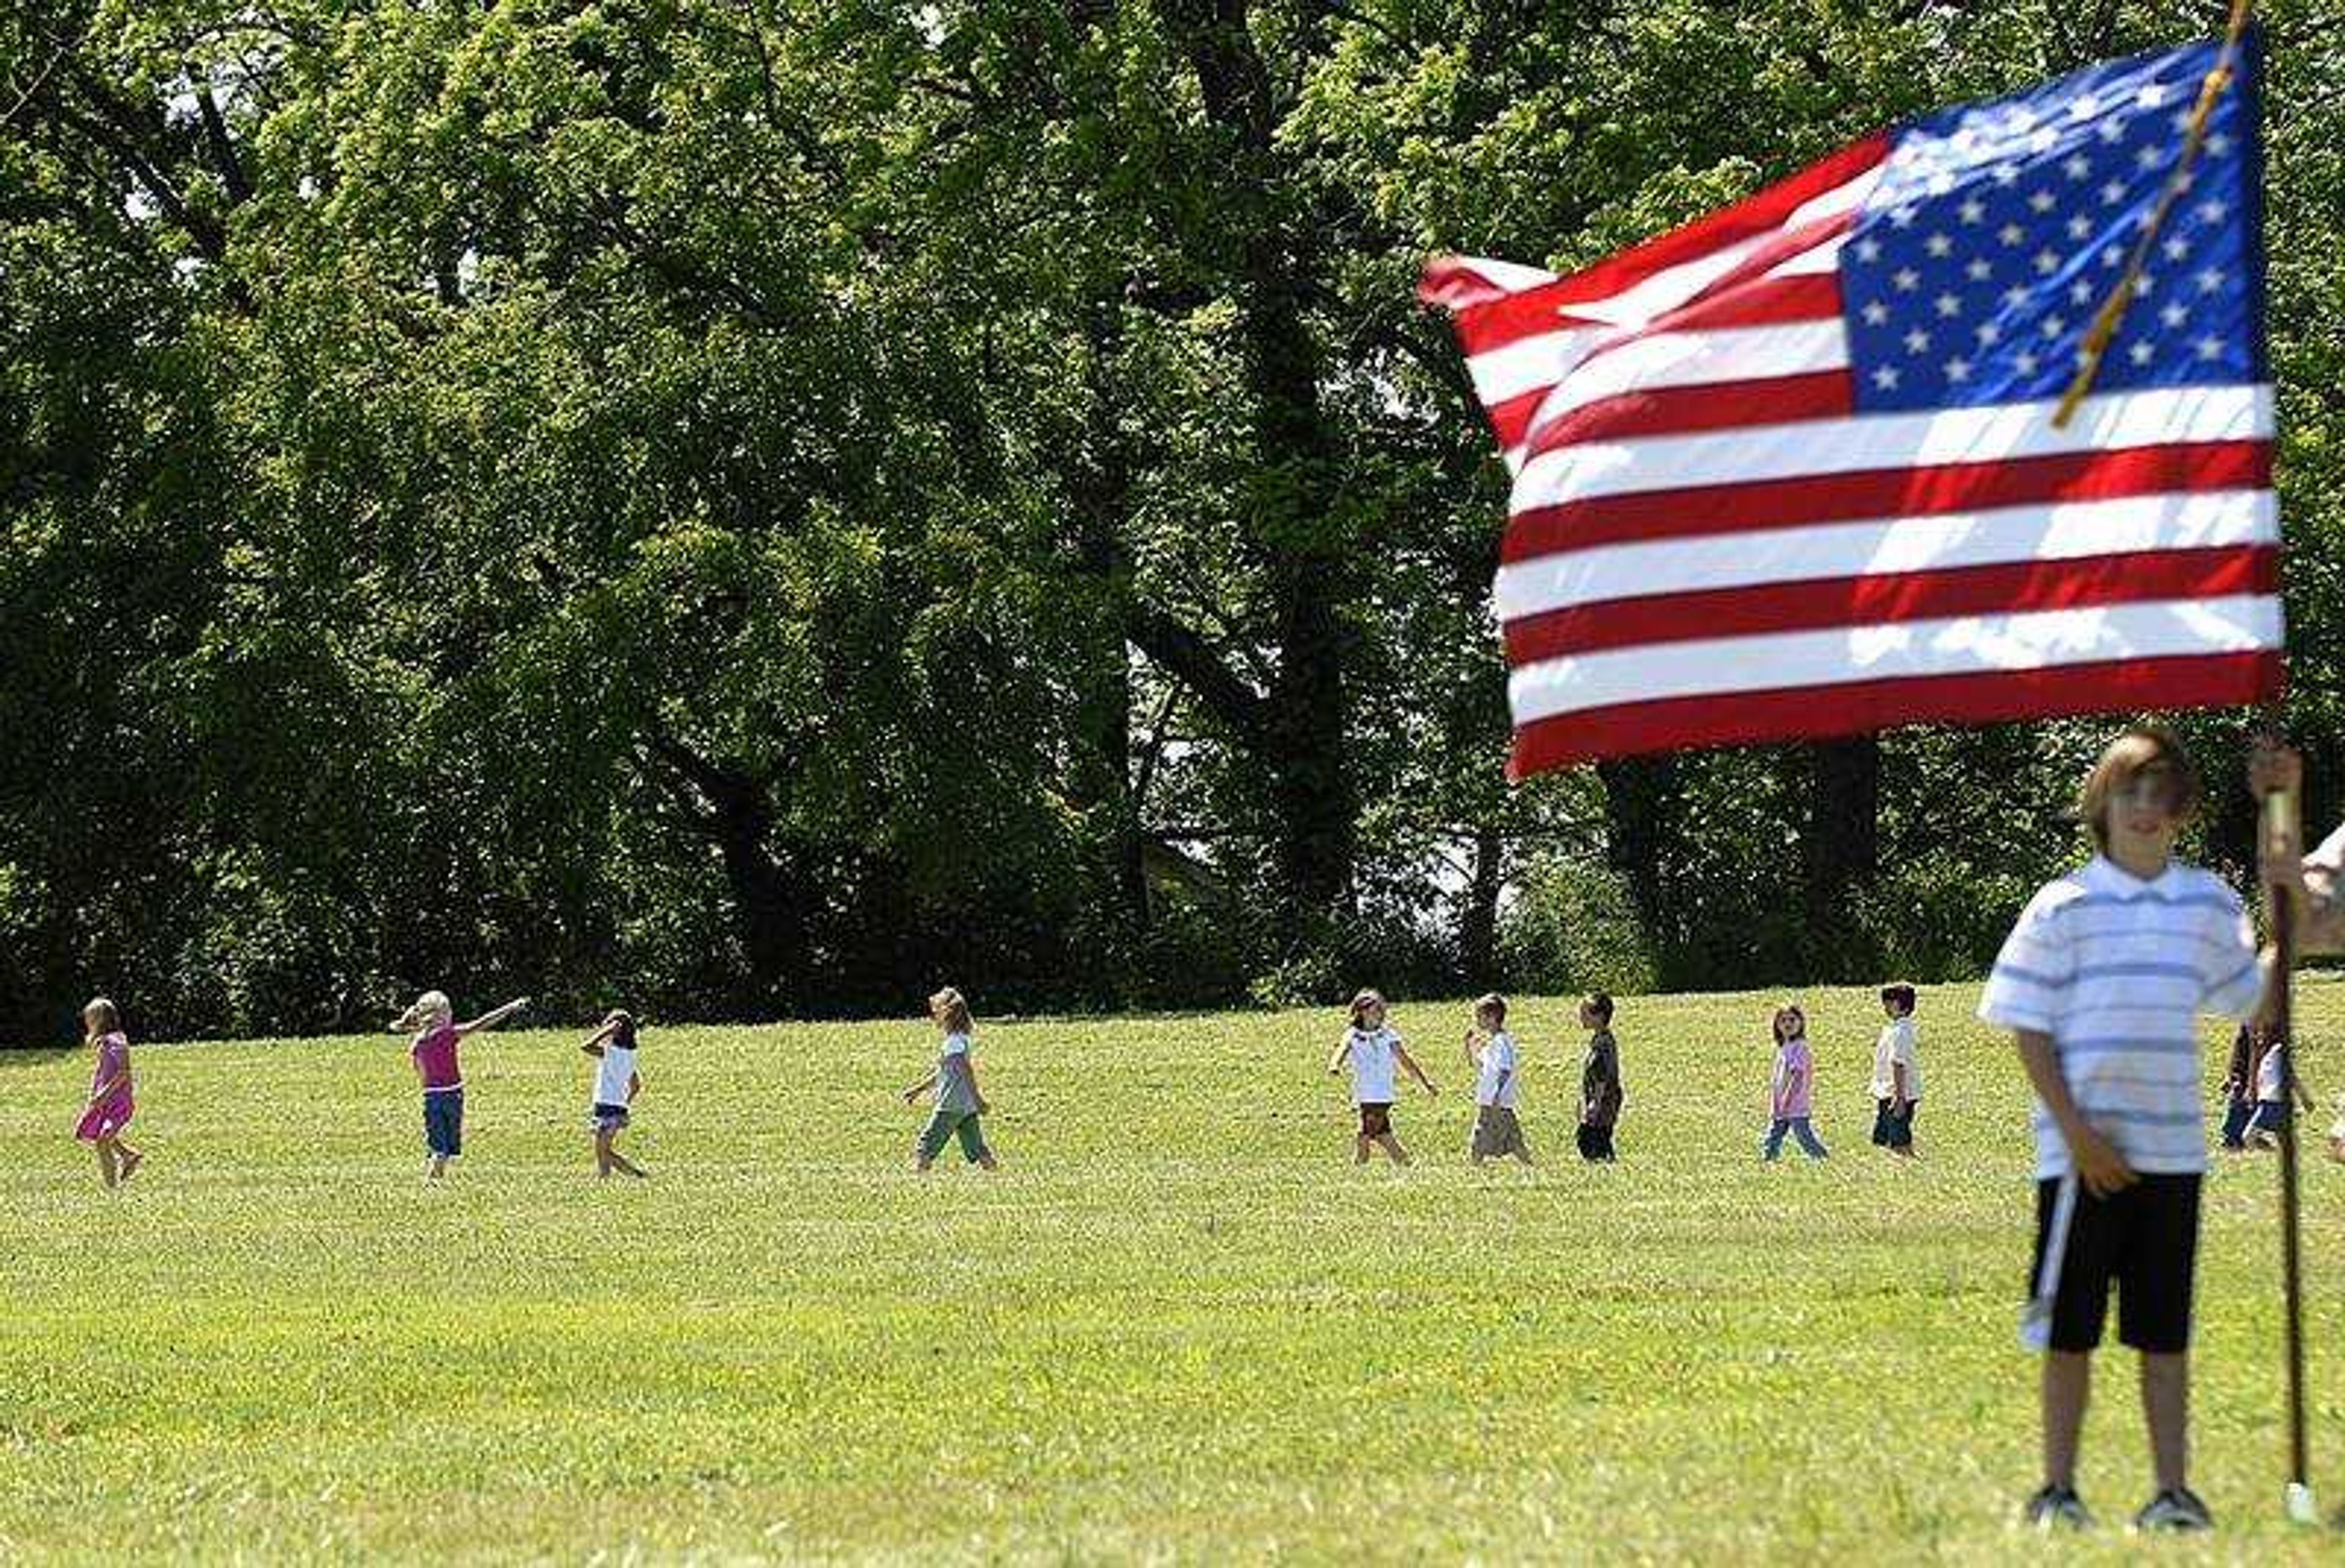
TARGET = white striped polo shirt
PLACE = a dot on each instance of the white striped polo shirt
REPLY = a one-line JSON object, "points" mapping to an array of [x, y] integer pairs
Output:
{"points": [[2117, 970]]}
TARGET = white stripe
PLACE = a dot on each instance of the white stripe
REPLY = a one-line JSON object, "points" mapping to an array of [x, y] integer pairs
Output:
{"points": [[2069, 530], [1699, 359], [1511, 276], [1840, 199], [1825, 258], [1854, 444], [1660, 292], [1970, 645], [1529, 364]]}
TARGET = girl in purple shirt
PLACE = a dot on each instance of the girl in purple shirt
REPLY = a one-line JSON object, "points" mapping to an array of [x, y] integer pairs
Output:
{"points": [[110, 1107], [1792, 1093], [434, 1050]]}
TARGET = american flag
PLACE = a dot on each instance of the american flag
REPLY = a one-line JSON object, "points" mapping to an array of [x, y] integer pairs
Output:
{"points": [[1791, 470]]}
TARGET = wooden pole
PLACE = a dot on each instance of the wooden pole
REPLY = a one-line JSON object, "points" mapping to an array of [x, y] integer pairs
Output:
{"points": [[2280, 838]]}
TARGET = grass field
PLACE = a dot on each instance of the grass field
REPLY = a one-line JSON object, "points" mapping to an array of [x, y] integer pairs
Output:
{"points": [[1178, 1324]]}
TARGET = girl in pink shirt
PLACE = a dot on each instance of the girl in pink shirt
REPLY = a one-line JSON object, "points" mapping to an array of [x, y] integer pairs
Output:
{"points": [[433, 1051], [110, 1105], [1792, 1093]]}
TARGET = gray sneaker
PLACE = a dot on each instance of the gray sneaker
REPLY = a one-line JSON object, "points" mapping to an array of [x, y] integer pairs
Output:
{"points": [[2176, 1510], [2056, 1508]]}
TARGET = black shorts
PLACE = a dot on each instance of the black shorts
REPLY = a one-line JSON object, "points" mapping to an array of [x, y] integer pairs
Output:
{"points": [[2145, 1240], [1376, 1120], [1891, 1130]]}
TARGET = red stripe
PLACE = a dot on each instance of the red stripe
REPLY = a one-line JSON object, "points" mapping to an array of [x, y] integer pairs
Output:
{"points": [[2003, 588], [1702, 510], [1809, 712], [1511, 419], [1761, 302], [1681, 410], [1482, 327], [1753, 215]]}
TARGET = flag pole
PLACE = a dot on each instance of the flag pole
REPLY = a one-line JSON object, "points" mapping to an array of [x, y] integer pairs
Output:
{"points": [[2281, 829], [2106, 320]]}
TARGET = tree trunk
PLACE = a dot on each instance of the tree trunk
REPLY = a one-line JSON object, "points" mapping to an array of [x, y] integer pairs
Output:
{"points": [[1478, 926], [1299, 740], [1643, 829], [1100, 779], [1839, 853]]}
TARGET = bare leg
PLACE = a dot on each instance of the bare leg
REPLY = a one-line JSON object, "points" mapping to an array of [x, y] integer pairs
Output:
{"points": [[1360, 1147], [1393, 1149], [1524, 1154], [2166, 1406], [620, 1162], [127, 1159], [986, 1162], [2067, 1386], [105, 1172], [604, 1159]]}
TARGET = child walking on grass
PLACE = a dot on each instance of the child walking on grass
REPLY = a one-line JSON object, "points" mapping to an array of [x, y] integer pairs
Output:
{"points": [[434, 1050], [2271, 1097], [2239, 1085], [1491, 1055], [1896, 1074], [1599, 1080], [958, 1103], [2101, 982], [1373, 1050], [616, 1085], [1790, 1093], [110, 1104]]}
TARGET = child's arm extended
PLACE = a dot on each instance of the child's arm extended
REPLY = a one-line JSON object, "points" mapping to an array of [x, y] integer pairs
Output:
{"points": [[634, 1087], [1335, 1060], [2103, 1169], [968, 1066], [1400, 1054], [1473, 1061], [490, 1020], [912, 1095]]}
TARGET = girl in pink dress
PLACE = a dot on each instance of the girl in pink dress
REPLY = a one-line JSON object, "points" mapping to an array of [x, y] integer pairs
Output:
{"points": [[109, 1109]]}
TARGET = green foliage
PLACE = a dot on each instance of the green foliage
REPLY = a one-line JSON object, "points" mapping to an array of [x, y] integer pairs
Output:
{"points": [[765, 508]]}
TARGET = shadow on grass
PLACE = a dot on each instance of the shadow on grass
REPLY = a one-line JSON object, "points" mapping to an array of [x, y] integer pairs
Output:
{"points": [[25, 1056]]}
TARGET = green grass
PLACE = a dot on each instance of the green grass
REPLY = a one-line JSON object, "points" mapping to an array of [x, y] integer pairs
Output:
{"points": [[1177, 1325]]}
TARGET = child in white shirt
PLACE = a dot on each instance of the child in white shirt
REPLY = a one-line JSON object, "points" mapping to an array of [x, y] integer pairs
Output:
{"points": [[1490, 1053], [1372, 1049], [1896, 1074]]}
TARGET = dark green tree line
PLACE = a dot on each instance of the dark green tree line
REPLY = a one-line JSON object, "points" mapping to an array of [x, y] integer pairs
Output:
{"points": [[756, 507]]}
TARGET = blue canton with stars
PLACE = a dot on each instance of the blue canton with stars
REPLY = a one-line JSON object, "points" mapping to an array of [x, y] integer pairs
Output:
{"points": [[1998, 228]]}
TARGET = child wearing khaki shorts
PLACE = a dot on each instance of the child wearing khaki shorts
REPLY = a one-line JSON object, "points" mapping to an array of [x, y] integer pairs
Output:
{"points": [[1490, 1052]]}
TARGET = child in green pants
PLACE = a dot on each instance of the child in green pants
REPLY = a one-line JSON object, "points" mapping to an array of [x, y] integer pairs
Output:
{"points": [[958, 1103]]}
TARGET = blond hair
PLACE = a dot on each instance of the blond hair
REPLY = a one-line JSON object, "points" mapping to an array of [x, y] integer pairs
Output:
{"points": [[2140, 748], [954, 1008], [99, 1018], [1493, 1005], [432, 1007], [1361, 1001]]}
